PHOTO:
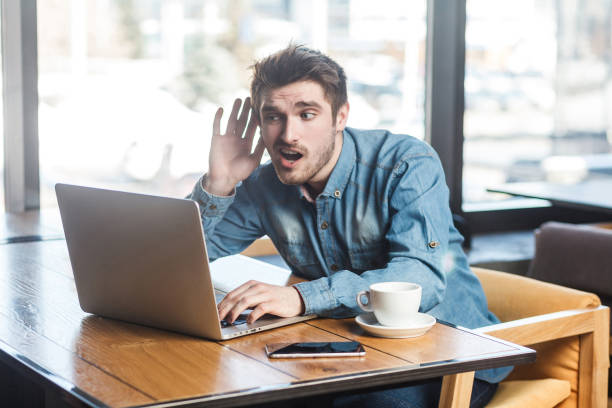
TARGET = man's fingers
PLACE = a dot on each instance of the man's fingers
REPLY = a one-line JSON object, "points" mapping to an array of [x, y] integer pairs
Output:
{"points": [[244, 116], [250, 132], [222, 314], [231, 311], [217, 122], [259, 151], [259, 311], [249, 300], [237, 293], [233, 297], [231, 122]]}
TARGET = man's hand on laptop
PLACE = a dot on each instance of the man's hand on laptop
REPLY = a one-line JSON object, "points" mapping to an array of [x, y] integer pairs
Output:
{"points": [[283, 301], [230, 159]]}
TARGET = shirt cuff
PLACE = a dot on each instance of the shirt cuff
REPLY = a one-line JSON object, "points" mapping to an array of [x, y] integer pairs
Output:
{"points": [[211, 205], [317, 296]]}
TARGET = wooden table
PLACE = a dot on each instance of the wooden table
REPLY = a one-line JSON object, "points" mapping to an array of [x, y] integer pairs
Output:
{"points": [[31, 226], [591, 195], [55, 352]]}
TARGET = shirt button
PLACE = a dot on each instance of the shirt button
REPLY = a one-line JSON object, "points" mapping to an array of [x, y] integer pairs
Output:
{"points": [[324, 225], [212, 207], [337, 193], [334, 267], [434, 244]]}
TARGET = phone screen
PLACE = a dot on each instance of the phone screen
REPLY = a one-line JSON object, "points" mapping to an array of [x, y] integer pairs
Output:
{"points": [[319, 349]]}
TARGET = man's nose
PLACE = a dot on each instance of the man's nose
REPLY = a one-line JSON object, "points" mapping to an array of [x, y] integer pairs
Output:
{"points": [[291, 131]]}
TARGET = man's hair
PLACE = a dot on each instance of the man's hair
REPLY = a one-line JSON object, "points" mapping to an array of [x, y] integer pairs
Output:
{"points": [[298, 63]]}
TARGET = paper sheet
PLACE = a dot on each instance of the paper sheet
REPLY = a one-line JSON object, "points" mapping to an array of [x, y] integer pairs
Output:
{"points": [[232, 271]]}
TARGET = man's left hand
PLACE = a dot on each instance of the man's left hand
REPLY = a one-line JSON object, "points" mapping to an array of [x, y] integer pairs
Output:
{"points": [[283, 301]]}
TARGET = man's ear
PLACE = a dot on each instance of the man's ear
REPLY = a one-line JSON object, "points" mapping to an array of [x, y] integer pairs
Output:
{"points": [[342, 116]]}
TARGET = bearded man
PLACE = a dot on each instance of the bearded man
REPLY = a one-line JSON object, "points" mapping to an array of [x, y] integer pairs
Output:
{"points": [[346, 208]]}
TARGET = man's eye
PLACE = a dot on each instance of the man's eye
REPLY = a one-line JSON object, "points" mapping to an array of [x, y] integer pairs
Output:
{"points": [[308, 115], [271, 118]]}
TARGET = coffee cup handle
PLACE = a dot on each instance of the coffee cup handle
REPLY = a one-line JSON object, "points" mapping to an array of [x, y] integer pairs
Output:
{"points": [[367, 307]]}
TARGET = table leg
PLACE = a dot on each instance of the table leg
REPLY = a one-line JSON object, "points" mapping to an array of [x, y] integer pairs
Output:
{"points": [[456, 390]]}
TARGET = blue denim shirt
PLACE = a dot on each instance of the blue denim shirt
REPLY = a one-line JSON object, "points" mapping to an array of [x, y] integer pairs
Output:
{"points": [[383, 216]]}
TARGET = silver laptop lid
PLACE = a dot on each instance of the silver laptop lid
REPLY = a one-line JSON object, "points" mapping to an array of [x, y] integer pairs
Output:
{"points": [[139, 258]]}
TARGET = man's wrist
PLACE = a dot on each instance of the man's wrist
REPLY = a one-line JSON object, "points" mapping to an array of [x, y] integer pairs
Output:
{"points": [[302, 305], [217, 188]]}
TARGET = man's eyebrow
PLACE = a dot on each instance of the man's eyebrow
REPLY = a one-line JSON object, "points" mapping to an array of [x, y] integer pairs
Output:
{"points": [[299, 104], [269, 108], [308, 104]]}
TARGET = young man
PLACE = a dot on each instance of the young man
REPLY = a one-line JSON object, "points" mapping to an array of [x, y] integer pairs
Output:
{"points": [[344, 207]]}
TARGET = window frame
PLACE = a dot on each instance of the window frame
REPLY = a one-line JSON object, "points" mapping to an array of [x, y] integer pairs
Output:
{"points": [[20, 87]]}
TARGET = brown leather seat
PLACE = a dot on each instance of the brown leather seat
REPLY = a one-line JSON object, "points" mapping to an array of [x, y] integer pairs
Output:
{"points": [[576, 256]]}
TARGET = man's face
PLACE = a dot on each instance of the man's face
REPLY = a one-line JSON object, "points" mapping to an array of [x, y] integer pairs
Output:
{"points": [[303, 141]]}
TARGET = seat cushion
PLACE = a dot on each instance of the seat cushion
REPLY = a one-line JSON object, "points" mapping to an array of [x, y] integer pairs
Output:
{"points": [[558, 359], [542, 393]]}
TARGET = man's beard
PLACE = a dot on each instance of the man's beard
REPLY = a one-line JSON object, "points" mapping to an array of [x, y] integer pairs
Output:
{"points": [[302, 176]]}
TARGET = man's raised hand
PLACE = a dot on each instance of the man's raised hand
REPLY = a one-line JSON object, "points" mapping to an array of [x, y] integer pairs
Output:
{"points": [[230, 159]]}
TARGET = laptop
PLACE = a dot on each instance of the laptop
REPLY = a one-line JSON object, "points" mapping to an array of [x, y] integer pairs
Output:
{"points": [[142, 259]]}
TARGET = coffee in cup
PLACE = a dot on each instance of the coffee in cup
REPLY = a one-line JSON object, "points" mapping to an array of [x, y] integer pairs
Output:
{"points": [[393, 303]]}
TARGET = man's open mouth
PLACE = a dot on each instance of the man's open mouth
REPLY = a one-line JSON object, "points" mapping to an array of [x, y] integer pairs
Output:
{"points": [[290, 155]]}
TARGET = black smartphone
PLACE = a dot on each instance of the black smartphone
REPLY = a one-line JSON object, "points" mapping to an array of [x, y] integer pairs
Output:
{"points": [[309, 349]]}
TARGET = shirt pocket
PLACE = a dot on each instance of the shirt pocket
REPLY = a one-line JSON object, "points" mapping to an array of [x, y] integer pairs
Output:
{"points": [[300, 257], [368, 257]]}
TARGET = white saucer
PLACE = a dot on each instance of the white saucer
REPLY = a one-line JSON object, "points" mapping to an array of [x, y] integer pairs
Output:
{"points": [[421, 324]]}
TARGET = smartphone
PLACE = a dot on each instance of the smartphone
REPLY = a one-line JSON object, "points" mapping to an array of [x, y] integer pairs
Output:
{"points": [[322, 349]]}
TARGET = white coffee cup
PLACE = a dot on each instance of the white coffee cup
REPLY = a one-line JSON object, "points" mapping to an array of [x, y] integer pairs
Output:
{"points": [[393, 303]]}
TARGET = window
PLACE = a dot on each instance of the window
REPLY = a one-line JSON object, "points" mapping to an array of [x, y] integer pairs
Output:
{"points": [[128, 88], [538, 81], [1, 128]]}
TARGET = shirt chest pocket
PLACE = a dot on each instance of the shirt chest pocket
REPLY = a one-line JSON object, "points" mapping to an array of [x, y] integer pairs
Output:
{"points": [[369, 256], [300, 256]]}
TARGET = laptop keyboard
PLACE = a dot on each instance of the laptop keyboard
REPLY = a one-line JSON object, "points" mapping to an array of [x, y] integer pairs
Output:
{"points": [[236, 322]]}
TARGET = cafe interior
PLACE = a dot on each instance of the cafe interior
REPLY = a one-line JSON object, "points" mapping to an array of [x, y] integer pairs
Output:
{"points": [[514, 96]]}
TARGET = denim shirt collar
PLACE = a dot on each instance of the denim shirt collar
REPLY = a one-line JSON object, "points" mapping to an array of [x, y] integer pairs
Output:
{"points": [[339, 176]]}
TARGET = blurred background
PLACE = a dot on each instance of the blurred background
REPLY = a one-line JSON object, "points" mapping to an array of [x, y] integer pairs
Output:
{"points": [[128, 88]]}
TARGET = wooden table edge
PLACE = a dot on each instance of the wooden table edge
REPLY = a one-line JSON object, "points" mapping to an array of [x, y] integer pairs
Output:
{"points": [[42, 376], [276, 392], [347, 382]]}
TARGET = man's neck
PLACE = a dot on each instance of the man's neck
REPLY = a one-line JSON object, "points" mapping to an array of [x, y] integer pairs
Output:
{"points": [[315, 187]]}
